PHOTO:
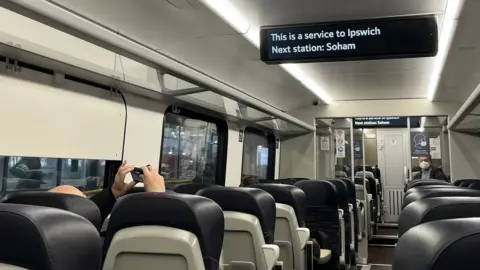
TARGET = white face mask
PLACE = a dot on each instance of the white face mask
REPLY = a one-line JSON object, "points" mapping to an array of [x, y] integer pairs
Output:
{"points": [[424, 165]]}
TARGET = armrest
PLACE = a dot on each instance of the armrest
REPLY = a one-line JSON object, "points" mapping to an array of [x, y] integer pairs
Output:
{"points": [[303, 235], [340, 212], [272, 252], [237, 265], [278, 266]]}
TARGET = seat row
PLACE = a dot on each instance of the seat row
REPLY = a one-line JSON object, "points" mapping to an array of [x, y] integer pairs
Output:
{"points": [[334, 216], [330, 212], [439, 226], [161, 231]]}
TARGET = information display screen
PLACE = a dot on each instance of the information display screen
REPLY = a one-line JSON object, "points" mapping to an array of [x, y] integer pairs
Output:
{"points": [[385, 122], [352, 40]]}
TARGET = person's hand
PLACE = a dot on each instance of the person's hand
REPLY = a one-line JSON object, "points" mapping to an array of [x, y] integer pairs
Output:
{"points": [[119, 187], [152, 181]]}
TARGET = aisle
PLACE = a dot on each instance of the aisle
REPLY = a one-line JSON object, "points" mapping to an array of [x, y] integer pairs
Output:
{"points": [[380, 255]]}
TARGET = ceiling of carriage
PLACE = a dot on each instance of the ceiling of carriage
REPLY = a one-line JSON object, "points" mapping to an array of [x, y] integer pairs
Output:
{"points": [[190, 32]]}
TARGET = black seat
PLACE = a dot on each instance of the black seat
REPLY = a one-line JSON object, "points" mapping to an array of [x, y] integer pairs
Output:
{"points": [[461, 181], [475, 185], [45, 238], [142, 189], [415, 189], [342, 194], [190, 213], [440, 192], [290, 181], [419, 183], [352, 199], [322, 216], [73, 203], [253, 201], [289, 195], [439, 208], [439, 245], [361, 181], [468, 182], [190, 188]]}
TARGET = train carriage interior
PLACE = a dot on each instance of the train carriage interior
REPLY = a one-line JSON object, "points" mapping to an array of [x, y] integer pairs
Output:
{"points": [[265, 134]]}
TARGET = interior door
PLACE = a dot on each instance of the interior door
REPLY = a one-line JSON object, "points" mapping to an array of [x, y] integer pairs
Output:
{"points": [[392, 161]]}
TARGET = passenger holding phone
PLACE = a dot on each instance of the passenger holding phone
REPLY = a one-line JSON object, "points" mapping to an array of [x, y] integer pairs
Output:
{"points": [[106, 199]]}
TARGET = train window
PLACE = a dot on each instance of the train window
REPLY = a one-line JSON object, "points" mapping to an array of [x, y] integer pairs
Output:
{"points": [[193, 148], [258, 154], [40, 173]]}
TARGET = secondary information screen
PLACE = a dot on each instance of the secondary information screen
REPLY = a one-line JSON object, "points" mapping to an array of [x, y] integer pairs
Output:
{"points": [[347, 41]]}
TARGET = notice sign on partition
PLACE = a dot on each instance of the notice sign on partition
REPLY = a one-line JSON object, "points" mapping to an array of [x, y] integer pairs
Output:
{"points": [[351, 40], [340, 143], [420, 144]]}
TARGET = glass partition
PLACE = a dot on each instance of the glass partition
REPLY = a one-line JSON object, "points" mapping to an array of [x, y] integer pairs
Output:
{"points": [[333, 148], [427, 145]]}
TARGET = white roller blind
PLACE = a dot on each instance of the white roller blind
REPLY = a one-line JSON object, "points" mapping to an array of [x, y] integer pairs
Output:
{"points": [[71, 120]]}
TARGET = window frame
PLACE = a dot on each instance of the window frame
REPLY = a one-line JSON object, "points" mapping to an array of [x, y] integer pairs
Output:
{"points": [[271, 145], [111, 167], [222, 140]]}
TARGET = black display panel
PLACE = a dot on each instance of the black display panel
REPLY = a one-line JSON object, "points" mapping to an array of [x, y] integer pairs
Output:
{"points": [[385, 122], [351, 40]]}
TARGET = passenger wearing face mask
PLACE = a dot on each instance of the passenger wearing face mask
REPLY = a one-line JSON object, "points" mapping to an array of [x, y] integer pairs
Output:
{"points": [[428, 170]]}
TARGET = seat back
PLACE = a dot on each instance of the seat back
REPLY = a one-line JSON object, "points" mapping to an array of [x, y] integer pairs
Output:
{"points": [[352, 204], [290, 215], [250, 215], [345, 221], [439, 208], [419, 183], [439, 245], [461, 181], [73, 203], [416, 189], [468, 182], [190, 188], [439, 192], [176, 231], [475, 185], [323, 218], [35, 237]]}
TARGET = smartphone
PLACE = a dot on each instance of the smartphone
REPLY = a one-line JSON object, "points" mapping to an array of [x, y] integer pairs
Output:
{"points": [[136, 174]]}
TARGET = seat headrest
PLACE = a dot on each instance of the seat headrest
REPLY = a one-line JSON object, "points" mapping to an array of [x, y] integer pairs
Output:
{"points": [[351, 194], [35, 237], [430, 182], [191, 188], [139, 189], [319, 193], [475, 185], [440, 192], [247, 200], [438, 245], [368, 174], [439, 208], [461, 181], [289, 195], [191, 213], [342, 192], [73, 203], [287, 181], [468, 182], [419, 188]]}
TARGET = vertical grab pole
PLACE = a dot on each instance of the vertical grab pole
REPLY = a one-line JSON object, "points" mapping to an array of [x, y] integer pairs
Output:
{"points": [[409, 151], [352, 156]]}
